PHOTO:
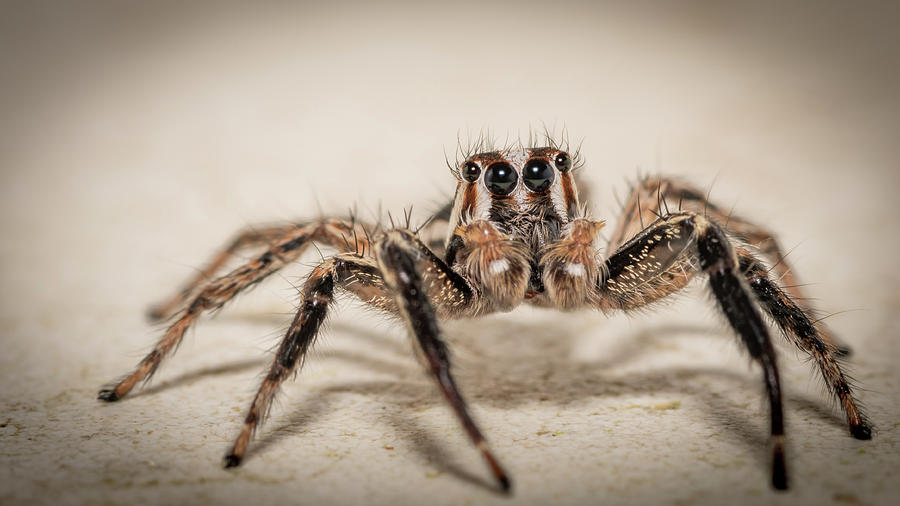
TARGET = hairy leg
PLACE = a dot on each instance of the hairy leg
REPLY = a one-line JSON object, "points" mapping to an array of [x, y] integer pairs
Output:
{"points": [[352, 273], [657, 196], [408, 280], [798, 328], [403, 260], [221, 290], [339, 234], [636, 267]]}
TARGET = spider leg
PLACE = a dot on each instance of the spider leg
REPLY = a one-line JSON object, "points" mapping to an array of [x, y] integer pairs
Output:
{"points": [[357, 275], [245, 239], [797, 327], [408, 280], [403, 260], [338, 234], [656, 196], [218, 292], [662, 247]]}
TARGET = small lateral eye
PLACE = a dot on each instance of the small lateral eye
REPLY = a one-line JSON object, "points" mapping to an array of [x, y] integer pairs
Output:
{"points": [[471, 171], [500, 178], [563, 162], [537, 175]]}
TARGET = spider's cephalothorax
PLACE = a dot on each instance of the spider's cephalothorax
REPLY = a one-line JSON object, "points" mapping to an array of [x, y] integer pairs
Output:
{"points": [[514, 211], [516, 232]]}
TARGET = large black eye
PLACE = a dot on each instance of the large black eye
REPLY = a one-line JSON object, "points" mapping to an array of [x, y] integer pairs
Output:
{"points": [[471, 171], [537, 175], [563, 162], [500, 178]]}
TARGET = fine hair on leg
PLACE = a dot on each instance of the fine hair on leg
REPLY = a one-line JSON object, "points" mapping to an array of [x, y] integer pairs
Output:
{"points": [[652, 265]]}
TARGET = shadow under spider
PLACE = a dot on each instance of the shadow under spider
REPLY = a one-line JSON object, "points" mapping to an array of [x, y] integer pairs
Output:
{"points": [[505, 363], [186, 378]]}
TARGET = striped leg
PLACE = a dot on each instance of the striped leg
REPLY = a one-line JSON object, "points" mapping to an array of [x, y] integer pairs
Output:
{"points": [[404, 261], [246, 239], [661, 250], [797, 327], [348, 271], [219, 291], [409, 281], [656, 196], [339, 234]]}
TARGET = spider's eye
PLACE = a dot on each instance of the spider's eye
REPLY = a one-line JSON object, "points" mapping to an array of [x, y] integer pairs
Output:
{"points": [[562, 161], [537, 175], [500, 178], [471, 171]]}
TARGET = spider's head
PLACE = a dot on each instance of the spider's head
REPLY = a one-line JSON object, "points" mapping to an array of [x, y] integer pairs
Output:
{"points": [[514, 187], [526, 192]]}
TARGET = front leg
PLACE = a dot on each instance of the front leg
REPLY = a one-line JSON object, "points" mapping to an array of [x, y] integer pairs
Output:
{"points": [[662, 258], [403, 260], [359, 276], [407, 280]]}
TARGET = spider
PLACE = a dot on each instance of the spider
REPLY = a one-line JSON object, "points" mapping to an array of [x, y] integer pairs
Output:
{"points": [[516, 232]]}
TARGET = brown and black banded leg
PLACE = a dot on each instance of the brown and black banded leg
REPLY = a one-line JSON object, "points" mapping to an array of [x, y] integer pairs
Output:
{"points": [[215, 294], [798, 328], [656, 251], [657, 196], [401, 260], [246, 239], [718, 260], [343, 235], [362, 278], [347, 271]]}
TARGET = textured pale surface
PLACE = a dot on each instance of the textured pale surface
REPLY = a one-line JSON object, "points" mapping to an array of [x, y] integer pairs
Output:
{"points": [[134, 140]]}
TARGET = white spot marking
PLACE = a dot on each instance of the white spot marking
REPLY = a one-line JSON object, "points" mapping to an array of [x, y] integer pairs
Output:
{"points": [[576, 269], [499, 266]]}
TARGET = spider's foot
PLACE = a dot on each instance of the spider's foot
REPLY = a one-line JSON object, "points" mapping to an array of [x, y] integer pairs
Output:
{"points": [[108, 395], [505, 484], [496, 469], [232, 460], [862, 431], [779, 466]]}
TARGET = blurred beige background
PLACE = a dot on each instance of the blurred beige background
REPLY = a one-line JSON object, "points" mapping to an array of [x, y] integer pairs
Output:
{"points": [[135, 137]]}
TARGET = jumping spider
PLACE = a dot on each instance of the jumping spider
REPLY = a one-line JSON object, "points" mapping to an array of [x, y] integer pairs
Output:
{"points": [[517, 233]]}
